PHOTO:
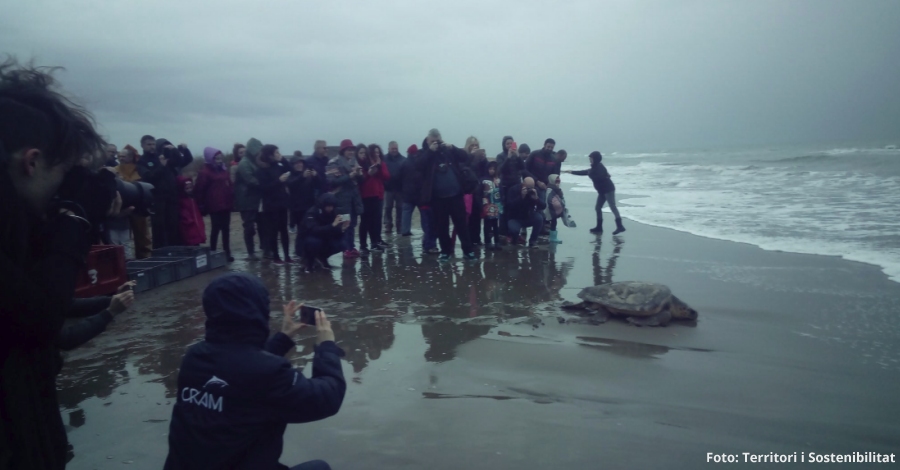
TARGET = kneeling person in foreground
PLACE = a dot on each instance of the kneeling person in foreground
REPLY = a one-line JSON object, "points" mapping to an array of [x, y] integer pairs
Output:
{"points": [[237, 392]]}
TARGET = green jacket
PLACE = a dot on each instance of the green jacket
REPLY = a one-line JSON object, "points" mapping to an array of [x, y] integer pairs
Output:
{"points": [[247, 194]]}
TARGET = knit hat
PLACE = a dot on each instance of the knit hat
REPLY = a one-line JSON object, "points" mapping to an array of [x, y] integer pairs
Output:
{"points": [[552, 179], [412, 149], [524, 148], [345, 145]]}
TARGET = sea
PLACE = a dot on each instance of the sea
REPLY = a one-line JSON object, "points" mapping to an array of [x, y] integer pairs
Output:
{"points": [[824, 200]]}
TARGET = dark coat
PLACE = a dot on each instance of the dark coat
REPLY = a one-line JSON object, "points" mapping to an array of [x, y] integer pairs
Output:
{"points": [[428, 161], [163, 178], [247, 193], [319, 164], [318, 223], [541, 164], [236, 391], [214, 191], [39, 264], [520, 208], [512, 171], [274, 191], [599, 176], [410, 181], [302, 191], [394, 163]]}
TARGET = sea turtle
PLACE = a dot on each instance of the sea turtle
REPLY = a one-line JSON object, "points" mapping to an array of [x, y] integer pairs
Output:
{"points": [[642, 303]]}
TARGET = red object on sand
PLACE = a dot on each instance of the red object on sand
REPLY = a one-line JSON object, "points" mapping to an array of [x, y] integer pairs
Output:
{"points": [[104, 273]]}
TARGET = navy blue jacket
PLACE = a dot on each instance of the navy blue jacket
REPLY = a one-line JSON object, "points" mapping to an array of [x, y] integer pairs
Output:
{"points": [[236, 391]]}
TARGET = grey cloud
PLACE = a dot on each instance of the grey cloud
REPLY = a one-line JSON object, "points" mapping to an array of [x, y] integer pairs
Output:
{"points": [[612, 75]]}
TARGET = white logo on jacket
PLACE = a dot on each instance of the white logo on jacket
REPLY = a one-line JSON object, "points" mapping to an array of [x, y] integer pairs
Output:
{"points": [[203, 398], [216, 381]]}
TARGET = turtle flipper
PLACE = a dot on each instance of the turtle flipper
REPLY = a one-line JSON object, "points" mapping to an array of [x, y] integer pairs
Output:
{"points": [[601, 315], [660, 319]]}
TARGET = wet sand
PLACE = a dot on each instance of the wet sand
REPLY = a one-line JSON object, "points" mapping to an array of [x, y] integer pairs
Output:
{"points": [[467, 365]]}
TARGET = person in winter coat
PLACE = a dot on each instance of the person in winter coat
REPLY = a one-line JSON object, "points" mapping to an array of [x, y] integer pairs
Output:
{"points": [[344, 176], [525, 210], [316, 163], [139, 224], [193, 230], [322, 231], [248, 198], [411, 180], [160, 166], [236, 391], [505, 145], [541, 164], [556, 208], [512, 171], [375, 173], [238, 152], [493, 207], [273, 175], [214, 193], [301, 196], [478, 163], [442, 190], [90, 317], [606, 191], [393, 188]]}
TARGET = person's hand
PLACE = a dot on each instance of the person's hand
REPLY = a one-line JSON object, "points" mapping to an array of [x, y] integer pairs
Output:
{"points": [[373, 170], [434, 146], [345, 226], [323, 328], [163, 160], [121, 302], [284, 176], [307, 174], [128, 286], [314, 173], [524, 191], [289, 326], [182, 145], [337, 221]]}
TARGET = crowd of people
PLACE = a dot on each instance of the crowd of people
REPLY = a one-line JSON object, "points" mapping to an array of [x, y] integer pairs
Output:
{"points": [[329, 201]]}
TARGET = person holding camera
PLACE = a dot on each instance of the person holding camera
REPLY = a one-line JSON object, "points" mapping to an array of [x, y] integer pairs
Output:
{"points": [[442, 190], [344, 175], [321, 232], [525, 208], [90, 317], [45, 233], [371, 190], [160, 165], [237, 392]]}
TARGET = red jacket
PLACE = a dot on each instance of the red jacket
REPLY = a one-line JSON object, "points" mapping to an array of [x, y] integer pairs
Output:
{"points": [[373, 186], [193, 230], [214, 191]]}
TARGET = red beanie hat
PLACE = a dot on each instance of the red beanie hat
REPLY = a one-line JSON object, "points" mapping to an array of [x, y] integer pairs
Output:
{"points": [[346, 144], [412, 149]]}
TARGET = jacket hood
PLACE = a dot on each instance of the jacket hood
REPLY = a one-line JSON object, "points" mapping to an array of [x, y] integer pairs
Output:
{"points": [[160, 143], [326, 199], [524, 148], [237, 310], [209, 154], [503, 144], [596, 157], [254, 147]]}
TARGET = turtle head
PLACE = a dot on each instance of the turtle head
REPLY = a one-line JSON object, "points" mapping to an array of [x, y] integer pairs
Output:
{"points": [[681, 310]]}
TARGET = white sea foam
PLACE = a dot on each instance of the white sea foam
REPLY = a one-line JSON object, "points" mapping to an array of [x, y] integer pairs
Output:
{"points": [[852, 214]]}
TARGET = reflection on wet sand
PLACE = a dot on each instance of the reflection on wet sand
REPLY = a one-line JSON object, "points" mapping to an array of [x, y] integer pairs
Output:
{"points": [[454, 303]]}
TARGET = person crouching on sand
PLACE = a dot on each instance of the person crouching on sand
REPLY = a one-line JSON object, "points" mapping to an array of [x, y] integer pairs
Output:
{"points": [[606, 191]]}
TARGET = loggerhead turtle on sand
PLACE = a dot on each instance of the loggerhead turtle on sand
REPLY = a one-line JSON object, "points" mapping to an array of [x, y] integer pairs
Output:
{"points": [[642, 303]]}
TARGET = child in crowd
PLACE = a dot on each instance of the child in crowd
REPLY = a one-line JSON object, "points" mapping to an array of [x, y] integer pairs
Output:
{"points": [[556, 208], [492, 207], [193, 230]]}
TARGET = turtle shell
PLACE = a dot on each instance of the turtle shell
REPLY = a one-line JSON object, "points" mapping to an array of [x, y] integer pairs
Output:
{"points": [[633, 298]]}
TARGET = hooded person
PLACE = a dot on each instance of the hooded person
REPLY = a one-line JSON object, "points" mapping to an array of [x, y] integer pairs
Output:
{"points": [[512, 170], [302, 185], [344, 176], [193, 230], [214, 193], [161, 169], [504, 153], [556, 208], [248, 196], [322, 232], [606, 191], [272, 175], [236, 390]]}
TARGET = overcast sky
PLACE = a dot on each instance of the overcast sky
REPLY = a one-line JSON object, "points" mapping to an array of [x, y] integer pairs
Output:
{"points": [[608, 75]]}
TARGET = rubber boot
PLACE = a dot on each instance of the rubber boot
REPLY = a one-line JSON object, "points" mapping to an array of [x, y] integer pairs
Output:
{"points": [[554, 237], [619, 227], [599, 228]]}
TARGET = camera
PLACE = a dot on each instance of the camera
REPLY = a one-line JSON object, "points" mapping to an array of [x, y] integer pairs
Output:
{"points": [[92, 192]]}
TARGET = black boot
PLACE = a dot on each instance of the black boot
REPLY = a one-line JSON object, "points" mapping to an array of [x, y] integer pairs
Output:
{"points": [[619, 227], [599, 228]]}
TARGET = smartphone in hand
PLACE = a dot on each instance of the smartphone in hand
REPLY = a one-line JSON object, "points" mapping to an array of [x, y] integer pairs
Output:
{"points": [[308, 314]]}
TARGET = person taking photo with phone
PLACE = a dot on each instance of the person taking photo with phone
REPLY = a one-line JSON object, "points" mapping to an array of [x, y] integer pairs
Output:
{"points": [[237, 392]]}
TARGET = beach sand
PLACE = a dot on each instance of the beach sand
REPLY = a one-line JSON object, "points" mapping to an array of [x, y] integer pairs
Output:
{"points": [[467, 365]]}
